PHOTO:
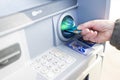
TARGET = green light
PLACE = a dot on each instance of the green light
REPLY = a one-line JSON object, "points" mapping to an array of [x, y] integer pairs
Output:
{"points": [[67, 23]]}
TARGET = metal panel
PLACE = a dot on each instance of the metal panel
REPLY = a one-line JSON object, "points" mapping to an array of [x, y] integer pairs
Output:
{"points": [[13, 21], [39, 37], [8, 7]]}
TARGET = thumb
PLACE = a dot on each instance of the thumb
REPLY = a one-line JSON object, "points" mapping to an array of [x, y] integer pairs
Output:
{"points": [[86, 25], [80, 27]]}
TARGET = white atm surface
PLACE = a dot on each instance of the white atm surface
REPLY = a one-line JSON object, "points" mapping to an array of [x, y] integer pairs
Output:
{"points": [[35, 44]]}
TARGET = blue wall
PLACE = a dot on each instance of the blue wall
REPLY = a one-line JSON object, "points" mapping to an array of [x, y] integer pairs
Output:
{"points": [[93, 9]]}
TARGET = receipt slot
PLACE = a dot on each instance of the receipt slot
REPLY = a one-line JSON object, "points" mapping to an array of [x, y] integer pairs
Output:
{"points": [[9, 55]]}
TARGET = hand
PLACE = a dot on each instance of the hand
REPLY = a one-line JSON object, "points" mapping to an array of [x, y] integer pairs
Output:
{"points": [[97, 31]]}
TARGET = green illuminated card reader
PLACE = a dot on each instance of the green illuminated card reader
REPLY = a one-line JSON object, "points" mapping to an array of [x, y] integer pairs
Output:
{"points": [[68, 25]]}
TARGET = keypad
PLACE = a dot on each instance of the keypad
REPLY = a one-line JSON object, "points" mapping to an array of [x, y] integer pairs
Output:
{"points": [[52, 63]]}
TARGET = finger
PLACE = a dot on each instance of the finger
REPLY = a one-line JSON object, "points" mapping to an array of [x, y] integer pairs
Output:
{"points": [[85, 25], [90, 36], [85, 38], [93, 36], [85, 32], [81, 27]]}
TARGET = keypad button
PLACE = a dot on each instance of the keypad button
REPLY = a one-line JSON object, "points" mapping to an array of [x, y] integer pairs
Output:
{"points": [[50, 74]]}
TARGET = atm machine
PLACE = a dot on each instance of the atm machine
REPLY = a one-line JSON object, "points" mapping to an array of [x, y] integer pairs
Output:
{"points": [[34, 44]]}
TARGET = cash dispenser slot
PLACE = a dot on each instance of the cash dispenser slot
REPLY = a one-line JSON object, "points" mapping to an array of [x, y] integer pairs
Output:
{"points": [[9, 55]]}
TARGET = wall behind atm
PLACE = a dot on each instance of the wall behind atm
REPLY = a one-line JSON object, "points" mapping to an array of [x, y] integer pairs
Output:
{"points": [[111, 68], [93, 9]]}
